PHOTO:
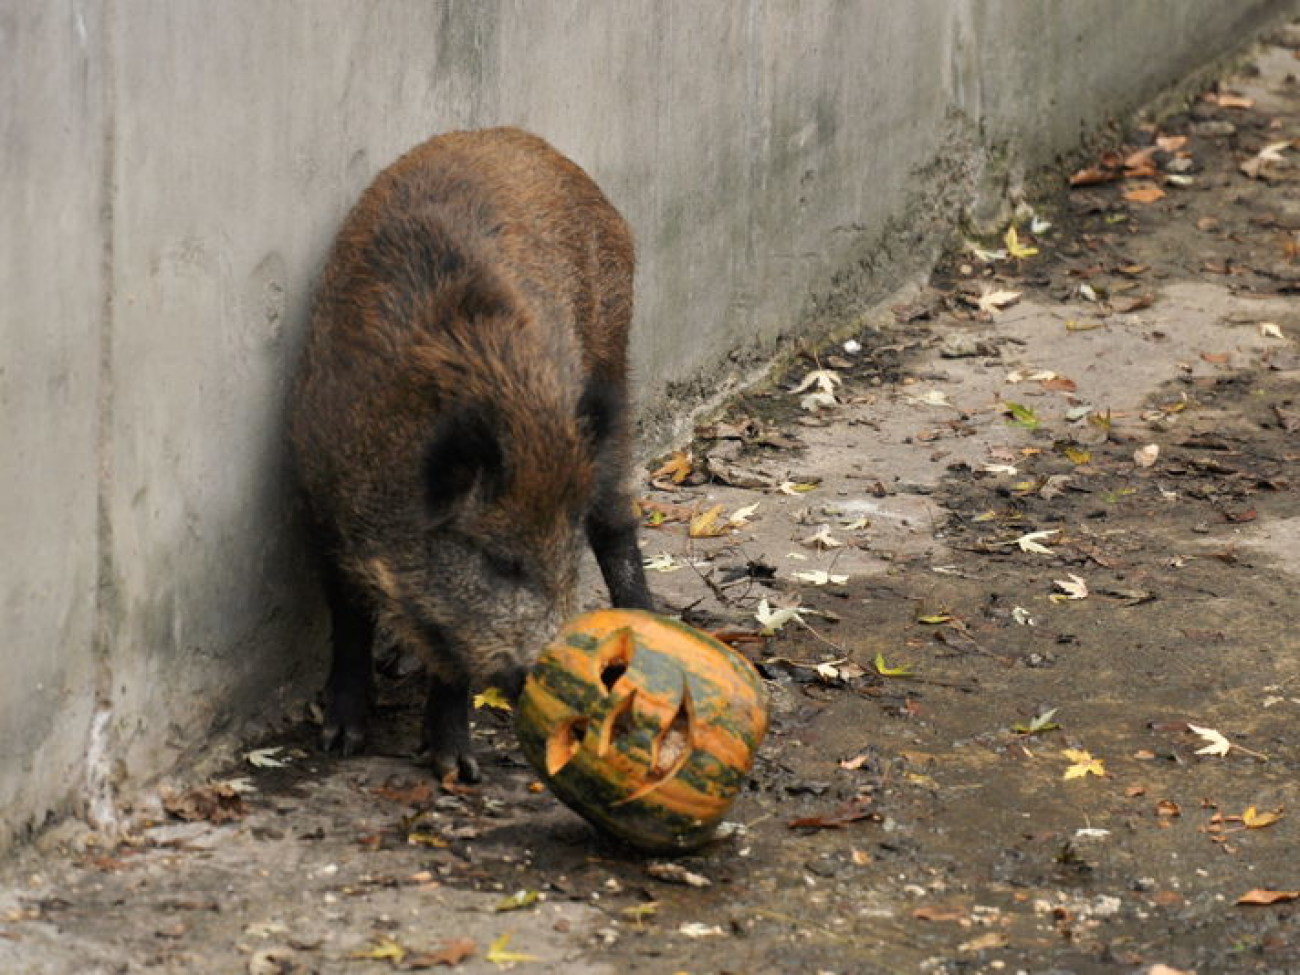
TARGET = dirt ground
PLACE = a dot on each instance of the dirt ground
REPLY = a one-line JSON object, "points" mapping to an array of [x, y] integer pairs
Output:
{"points": [[1040, 524]]}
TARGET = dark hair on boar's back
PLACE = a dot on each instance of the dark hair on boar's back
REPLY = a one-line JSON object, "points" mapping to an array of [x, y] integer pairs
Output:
{"points": [[460, 421]]}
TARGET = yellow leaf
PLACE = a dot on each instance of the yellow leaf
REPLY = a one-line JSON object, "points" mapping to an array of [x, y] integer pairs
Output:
{"points": [[709, 524], [884, 670], [382, 949], [517, 901], [492, 697], [498, 955], [1014, 247], [1254, 819], [1084, 764], [675, 470]]}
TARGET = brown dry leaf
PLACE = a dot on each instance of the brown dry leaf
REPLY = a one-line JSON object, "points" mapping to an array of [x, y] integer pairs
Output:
{"points": [[1167, 808], [217, 803], [851, 812], [1231, 100], [1126, 306], [414, 795], [1059, 384], [449, 954], [1264, 897], [656, 513], [936, 913], [1216, 358], [673, 471], [1144, 193], [1171, 143]]}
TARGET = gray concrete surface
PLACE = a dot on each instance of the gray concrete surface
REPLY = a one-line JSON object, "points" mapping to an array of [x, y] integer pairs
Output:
{"points": [[171, 172]]}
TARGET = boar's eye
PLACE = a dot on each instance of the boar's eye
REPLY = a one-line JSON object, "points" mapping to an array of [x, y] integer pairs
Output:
{"points": [[506, 567]]}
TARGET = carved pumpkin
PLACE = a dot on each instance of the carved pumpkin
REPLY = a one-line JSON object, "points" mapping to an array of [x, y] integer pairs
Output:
{"points": [[643, 725]]}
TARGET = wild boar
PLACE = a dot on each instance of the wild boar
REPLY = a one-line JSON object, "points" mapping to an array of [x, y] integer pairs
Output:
{"points": [[460, 422]]}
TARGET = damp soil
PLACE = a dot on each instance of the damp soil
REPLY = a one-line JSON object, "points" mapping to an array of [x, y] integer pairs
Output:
{"points": [[1059, 533]]}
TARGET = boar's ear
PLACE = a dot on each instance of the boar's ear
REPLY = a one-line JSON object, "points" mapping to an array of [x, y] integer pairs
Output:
{"points": [[463, 453], [598, 410]]}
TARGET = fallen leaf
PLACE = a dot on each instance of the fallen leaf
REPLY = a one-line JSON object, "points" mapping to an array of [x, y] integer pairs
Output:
{"points": [[382, 948], [1218, 744], [740, 517], [450, 954], [1083, 764], [709, 524], [698, 929], [1264, 897], [851, 812], [1270, 330], [1252, 818], [517, 901], [675, 873], [822, 539], [663, 562], [492, 697], [1144, 193], [992, 302], [1021, 415], [1014, 247], [1146, 456], [1030, 542], [884, 670], [673, 471], [266, 758], [826, 380], [1216, 358], [1230, 100], [796, 487], [818, 577], [218, 803], [772, 620], [934, 913], [1073, 588], [1037, 724], [498, 954]]}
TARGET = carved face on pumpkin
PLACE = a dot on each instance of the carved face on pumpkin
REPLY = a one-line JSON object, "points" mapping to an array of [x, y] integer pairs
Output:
{"points": [[643, 725]]}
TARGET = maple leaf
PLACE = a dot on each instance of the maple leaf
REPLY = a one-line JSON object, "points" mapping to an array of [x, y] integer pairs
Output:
{"points": [[1014, 247], [1029, 542], [1218, 744], [822, 539], [673, 471], [450, 954], [498, 954], [1083, 764]]}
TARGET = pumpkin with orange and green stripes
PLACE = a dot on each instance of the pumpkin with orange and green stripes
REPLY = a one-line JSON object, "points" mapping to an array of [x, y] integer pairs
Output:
{"points": [[642, 724]]}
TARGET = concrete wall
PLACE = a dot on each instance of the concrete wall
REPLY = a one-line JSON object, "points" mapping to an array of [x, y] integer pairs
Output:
{"points": [[170, 174]]}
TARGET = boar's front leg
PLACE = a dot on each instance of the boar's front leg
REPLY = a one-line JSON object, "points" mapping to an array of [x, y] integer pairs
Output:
{"points": [[445, 746], [351, 678], [611, 530]]}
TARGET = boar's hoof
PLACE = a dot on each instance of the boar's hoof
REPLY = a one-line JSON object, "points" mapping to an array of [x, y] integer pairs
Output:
{"points": [[346, 739], [445, 762]]}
